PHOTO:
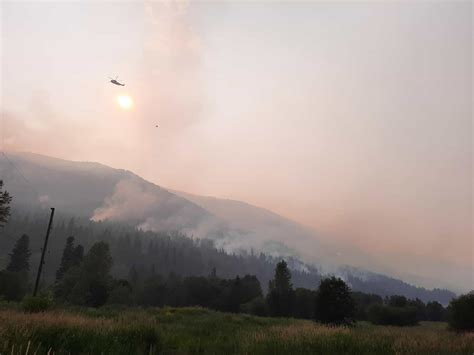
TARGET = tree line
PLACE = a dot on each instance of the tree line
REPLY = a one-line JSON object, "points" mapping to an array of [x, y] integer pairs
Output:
{"points": [[179, 254], [86, 280]]}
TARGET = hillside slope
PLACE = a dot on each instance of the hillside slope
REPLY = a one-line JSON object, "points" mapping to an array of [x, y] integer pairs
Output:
{"points": [[96, 191], [100, 193]]}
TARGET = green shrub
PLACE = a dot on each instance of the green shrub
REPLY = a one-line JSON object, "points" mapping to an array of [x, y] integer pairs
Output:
{"points": [[120, 295], [256, 307], [391, 315], [435, 312], [34, 304], [461, 313]]}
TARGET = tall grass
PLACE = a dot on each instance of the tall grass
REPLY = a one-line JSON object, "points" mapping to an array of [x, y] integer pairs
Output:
{"points": [[197, 330]]}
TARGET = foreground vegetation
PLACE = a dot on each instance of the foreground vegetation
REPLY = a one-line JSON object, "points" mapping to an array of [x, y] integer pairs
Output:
{"points": [[198, 330], [86, 280], [144, 253], [87, 310]]}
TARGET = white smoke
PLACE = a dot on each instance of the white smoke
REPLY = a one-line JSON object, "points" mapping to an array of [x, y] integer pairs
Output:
{"points": [[154, 209], [129, 201], [44, 201]]}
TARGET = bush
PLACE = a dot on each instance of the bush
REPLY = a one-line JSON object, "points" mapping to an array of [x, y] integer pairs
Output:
{"points": [[461, 313], [34, 304], [435, 312], [305, 302], [121, 294], [390, 315], [256, 307], [363, 302]]}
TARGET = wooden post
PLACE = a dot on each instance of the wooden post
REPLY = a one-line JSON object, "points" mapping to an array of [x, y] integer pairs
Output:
{"points": [[40, 267]]}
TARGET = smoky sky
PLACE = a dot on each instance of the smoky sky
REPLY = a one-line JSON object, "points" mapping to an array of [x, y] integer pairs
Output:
{"points": [[353, 118]]}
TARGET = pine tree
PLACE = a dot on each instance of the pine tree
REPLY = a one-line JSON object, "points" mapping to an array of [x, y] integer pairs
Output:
{"points": [[282, 277], [69, 271], [77, 255], [280, 291], [67, 279], [20, 255], [67, 258], [96, 273], [5, 200]]}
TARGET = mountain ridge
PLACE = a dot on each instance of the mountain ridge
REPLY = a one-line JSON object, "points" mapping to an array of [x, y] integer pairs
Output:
{"points": [[99, 192]]}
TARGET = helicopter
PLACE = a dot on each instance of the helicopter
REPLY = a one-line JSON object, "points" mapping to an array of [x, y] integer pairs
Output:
{"points": [[114, 81]]}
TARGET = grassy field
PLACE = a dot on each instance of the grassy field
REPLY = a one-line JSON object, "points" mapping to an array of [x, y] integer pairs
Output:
{"points": [[197, 330]]}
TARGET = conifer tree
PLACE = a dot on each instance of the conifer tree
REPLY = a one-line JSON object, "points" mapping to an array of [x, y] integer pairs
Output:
{"points": [[20, 255], [69, 271], [14, 280], [77, 255], [5, 200], [66, 259], [96, 274], [280, 295]]}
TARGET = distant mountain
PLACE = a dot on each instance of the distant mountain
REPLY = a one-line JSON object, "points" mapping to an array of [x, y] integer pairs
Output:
{"points": [[257, 224], [260, 228], [102, 193], [96, 191]]}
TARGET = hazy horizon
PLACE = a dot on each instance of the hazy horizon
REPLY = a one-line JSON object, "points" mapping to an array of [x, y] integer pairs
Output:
{"points": [[353, 118]]}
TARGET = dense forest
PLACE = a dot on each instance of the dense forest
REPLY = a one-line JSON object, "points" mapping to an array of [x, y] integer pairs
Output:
{"points": [[84, 279], [143, 251], [175, 270], [175, 253], [79, 189]]}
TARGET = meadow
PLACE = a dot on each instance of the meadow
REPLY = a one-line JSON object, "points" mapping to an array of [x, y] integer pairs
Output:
{"points": [[198, 330]]}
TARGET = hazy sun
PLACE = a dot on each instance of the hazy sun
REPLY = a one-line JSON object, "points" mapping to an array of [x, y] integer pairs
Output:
{"points": [[125, 102]]}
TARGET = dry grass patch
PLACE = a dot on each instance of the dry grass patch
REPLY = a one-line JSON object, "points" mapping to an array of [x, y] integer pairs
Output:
{"points": [[197, 330]]}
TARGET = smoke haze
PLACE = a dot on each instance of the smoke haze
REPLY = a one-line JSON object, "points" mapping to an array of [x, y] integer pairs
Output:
{"points": [[354, 119]]}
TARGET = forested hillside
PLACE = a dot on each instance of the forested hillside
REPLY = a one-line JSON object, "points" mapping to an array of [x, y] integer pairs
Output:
{"points": [[94, 191], [142, 252]]}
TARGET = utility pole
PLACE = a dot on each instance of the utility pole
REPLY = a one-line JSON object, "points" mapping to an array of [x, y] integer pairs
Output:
{"points": [[40, 267]]}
